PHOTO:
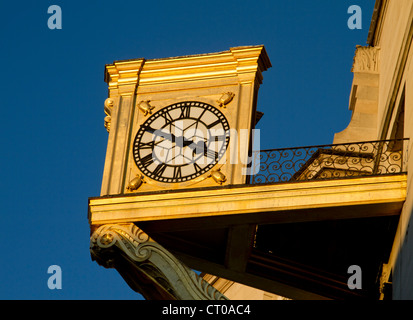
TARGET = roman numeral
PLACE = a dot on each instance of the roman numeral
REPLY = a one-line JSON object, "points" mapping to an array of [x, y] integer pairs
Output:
{"points": [[159, 170], [217, 138], [177, 173], [146, 145], [211, 154], [185, 112], [213, 124], [197, 167], [167, 117], [147, 160]]}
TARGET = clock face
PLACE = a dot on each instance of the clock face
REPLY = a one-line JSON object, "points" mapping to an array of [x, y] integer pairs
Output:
{"points": [[181, 142]]}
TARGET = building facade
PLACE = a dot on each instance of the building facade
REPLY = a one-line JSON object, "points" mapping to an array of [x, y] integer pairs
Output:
{"points": [[391, 34], [381, 102], [282, 232]]}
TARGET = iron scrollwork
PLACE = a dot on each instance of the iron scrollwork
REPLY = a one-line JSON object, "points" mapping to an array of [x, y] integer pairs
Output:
{"points": [[329, 161]]}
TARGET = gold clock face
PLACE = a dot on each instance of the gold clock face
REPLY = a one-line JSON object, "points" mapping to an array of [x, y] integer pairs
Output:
{"points": [[181, 142]]}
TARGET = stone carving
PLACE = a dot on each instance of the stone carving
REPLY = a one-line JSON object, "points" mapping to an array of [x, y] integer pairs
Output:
{"points": [[178, 280], [366, 59]]}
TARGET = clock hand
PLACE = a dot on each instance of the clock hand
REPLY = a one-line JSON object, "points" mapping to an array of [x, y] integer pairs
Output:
{"points": [[168, 136], [148, 128], [158, 132], [198, 147], [171, 137], [188, 143], [183, 142]]}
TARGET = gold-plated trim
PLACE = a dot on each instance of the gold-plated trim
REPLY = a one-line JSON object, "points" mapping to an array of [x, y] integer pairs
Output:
{"points": [[145, 107], [218, 176], [240, 63], [225, 99], [135, 183], [109, 103]]}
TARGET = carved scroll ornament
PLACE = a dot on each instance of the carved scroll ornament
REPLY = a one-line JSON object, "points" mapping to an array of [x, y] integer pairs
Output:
{"points": [[109, 103], [177, 279], [366, 59]]}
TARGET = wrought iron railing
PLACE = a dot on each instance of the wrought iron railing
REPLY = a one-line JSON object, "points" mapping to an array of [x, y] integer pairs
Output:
{"points": [[329, 161]]}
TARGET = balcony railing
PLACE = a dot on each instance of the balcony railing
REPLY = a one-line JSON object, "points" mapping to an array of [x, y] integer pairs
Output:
{"points": [[329, 161]]}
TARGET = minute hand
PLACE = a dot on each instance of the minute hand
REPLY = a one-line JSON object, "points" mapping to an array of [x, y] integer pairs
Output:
{"points": [[159, 133]]}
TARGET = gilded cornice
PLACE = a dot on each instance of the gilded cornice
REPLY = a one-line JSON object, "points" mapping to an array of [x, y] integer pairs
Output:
{"points": [[242, 63], [123, 76]]}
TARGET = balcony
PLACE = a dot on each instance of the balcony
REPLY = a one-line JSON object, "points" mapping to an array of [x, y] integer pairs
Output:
{"points": [[335, 161]]}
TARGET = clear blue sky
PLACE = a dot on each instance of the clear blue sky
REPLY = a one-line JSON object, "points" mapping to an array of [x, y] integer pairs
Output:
{"points": [[52, 94]]}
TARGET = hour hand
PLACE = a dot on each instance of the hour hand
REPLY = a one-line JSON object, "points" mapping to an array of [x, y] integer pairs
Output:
{"points": [[199, 147], [148, 128], [187, 143]]}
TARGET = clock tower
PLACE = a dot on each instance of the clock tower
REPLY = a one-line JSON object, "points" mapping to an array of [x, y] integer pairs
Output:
{"points": [[181, 122], [175, 125]]}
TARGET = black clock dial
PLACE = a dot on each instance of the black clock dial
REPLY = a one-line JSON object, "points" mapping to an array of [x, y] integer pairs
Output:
{"points": [[181, 142]]}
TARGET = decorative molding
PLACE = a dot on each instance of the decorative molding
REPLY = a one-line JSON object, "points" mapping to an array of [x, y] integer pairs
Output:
{"points": [[366, 59], [146, 254], [225, 99], [122, 76], [247, 62], [135, 183], [145, 107], [218, 176], [109, 103]]}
